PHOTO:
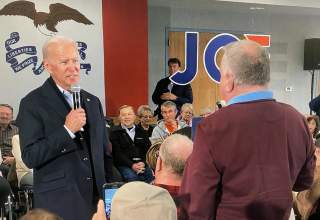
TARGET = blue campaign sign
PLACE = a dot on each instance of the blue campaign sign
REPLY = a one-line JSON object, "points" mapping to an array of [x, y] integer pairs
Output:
{"points": [[211, 51], [191, 57], [210, 54]]}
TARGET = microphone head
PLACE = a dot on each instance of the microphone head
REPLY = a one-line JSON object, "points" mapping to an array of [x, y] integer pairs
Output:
{"points": [[75, 88]]}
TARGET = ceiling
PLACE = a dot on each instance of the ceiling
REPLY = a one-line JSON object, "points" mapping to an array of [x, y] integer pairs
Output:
{"points": [[295, 7]]}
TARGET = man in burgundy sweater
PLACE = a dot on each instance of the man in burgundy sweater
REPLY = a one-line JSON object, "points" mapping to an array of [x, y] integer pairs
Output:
{"points": [[251, 154]]}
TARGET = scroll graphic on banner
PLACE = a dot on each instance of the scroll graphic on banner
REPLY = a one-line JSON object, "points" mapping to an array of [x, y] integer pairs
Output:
{"points": [[13, 53]]}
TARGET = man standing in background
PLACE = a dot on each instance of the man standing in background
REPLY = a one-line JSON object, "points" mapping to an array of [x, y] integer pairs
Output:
{"points": [[168, 91]]}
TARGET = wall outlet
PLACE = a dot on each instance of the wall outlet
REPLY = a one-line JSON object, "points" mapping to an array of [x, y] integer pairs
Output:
{"points": [[289, 89]]}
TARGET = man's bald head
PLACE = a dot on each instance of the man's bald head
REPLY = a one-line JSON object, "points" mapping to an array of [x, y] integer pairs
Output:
{"points": [[248, 62], [174, 152]]}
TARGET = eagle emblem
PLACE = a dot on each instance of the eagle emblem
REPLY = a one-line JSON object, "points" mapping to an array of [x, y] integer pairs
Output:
{"points": [[58, 13]]}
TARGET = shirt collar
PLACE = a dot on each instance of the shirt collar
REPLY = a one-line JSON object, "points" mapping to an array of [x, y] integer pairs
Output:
{"points": [[251, 96], [62, 90], [131, 130]]}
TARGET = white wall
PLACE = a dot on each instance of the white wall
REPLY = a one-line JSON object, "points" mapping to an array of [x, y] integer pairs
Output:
{"points": [[287, 44], [14, 86]]}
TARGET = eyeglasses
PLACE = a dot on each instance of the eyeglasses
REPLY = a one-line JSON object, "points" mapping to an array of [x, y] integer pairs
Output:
{"points": [[167, 112], [147, 116]]}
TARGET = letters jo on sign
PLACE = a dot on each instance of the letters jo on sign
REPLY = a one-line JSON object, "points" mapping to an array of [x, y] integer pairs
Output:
{"points": [[209, 55]]}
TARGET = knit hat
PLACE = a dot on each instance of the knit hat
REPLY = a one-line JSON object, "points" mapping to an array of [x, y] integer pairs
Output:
{"points": [[142, 201]]}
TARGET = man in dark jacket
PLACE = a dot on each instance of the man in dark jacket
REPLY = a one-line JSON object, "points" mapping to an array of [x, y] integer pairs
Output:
{"points": [[67, 148], [129, 147], [168, 91]]}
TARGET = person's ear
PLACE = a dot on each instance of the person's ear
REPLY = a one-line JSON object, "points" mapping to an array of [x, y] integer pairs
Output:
{"points": [[47, 66], [229, 82], [159, 164]]}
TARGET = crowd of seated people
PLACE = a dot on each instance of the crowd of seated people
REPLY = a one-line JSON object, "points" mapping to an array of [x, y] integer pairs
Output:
{"points": [[130, 144], [154, 173], [131, 140]]}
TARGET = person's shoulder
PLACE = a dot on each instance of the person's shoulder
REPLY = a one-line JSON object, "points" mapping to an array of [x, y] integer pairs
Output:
{"points": [[88, 94], [164, 80], [290, 110], [33, 94], [116, 128]]}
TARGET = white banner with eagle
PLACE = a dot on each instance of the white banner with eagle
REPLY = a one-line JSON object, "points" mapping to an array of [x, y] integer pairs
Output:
{"points": [[26, 25]]}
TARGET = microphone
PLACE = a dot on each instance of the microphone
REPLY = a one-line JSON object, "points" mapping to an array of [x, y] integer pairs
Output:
{"points": [[76, 98], [75, 90]]}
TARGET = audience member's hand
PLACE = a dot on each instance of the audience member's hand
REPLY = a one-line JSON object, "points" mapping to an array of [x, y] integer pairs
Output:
{"points": [[168, 96], [8, 160], [141, 165], [100, 214], [136, 167], [75, 120]]}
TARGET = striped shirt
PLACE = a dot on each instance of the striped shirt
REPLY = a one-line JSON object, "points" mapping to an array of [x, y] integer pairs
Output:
{"points": [[6, 139]]}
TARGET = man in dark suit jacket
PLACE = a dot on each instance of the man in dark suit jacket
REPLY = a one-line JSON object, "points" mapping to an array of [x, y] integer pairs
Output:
{"points": [[168, 91], [129, 147], [249, 155], [67, 148]]}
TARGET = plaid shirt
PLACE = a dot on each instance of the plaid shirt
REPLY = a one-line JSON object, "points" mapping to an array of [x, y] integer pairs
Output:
{"points": [[6, 139]]}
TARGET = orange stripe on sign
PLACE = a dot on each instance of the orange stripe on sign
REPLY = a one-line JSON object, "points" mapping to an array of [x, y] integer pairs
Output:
{"points": [[263, 40]]}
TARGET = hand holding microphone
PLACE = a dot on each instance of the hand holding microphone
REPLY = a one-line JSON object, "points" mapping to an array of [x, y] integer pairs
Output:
{"points": [[76, 118]]}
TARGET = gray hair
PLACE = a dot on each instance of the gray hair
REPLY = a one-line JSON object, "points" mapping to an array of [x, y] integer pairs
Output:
{"points": [[7, 106], [169, 104], [186, 106], [248, 61], [171, 152], [55, 40], [142, 109]]}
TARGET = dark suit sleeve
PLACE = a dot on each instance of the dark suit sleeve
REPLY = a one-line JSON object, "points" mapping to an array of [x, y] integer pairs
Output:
{"points": [[187, 96], [157, 93], [314, 104], [37, 147]]}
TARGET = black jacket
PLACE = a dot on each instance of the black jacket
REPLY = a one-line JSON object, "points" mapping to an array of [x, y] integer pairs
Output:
{"points": [[63, 178], [124, 149], [183, 93]]}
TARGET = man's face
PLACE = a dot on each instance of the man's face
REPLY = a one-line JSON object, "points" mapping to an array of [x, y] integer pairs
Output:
{"points": [[63, 64], [5, 115], [168, 113], [127, 117], [173, 67]]}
